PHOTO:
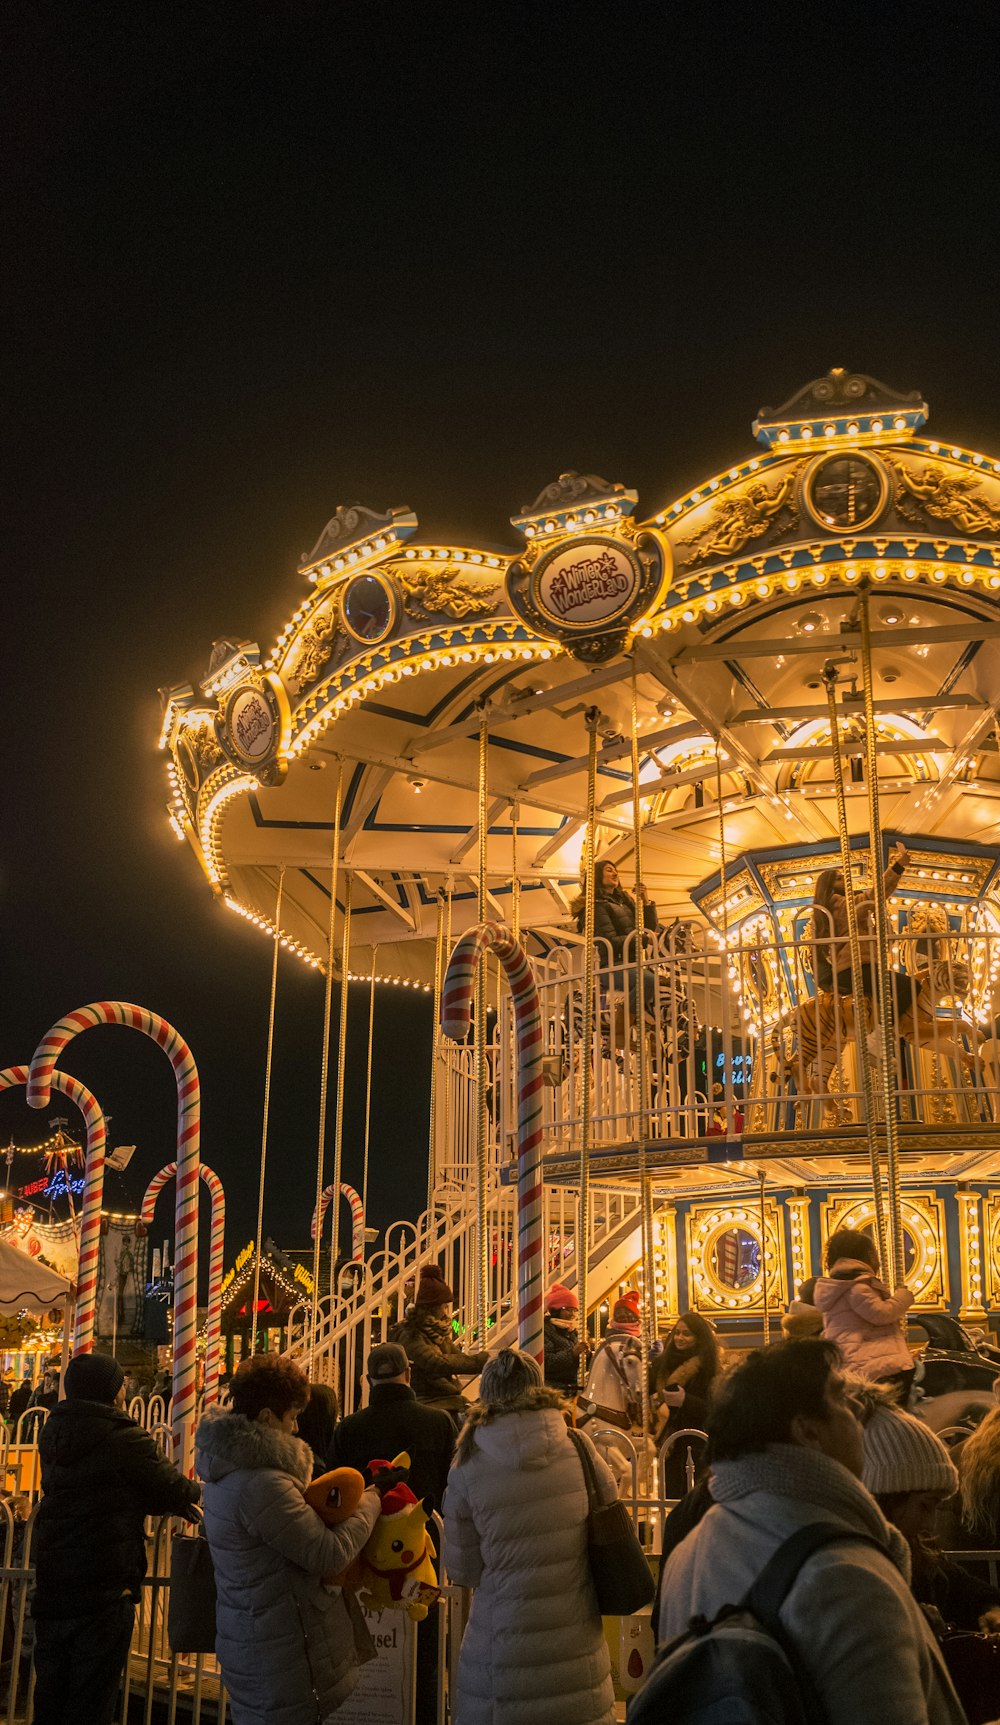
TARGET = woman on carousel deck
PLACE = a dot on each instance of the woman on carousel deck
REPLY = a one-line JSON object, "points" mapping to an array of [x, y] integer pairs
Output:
{"points": [[614, 921]]}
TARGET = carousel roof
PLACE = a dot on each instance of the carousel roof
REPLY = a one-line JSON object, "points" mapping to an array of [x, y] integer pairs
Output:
{"points": [[715, 614]]}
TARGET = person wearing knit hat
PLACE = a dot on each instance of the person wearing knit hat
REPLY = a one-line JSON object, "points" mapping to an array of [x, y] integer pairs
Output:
{"points": [[101, 1476], [910, 1474], [436, 1363], [563, 1347], [515, 1531], [615, 1381]]}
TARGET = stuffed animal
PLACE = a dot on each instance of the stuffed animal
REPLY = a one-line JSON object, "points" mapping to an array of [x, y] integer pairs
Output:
{"points": [[335, 1496], [397, 1564]]}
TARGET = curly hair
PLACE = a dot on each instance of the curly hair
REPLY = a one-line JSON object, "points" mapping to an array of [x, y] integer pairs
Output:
{"points": [[267, 1382], [980, 1471]]}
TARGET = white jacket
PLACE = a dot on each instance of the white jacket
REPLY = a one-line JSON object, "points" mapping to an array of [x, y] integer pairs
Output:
{"points": [[863, 1639], [515, 1516], [285, 1643]]}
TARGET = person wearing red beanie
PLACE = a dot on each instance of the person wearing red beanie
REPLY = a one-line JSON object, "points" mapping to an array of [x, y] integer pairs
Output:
{"points": [[615, 1382], [563, 1346], [436, 1364]]}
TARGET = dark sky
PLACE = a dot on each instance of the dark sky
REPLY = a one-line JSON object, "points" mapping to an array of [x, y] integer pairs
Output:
{"points": [[262, 259]]}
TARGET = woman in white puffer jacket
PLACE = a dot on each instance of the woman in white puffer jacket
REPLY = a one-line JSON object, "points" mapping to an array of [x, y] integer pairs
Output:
{"points": [[515, 1529], [288, 1645]]}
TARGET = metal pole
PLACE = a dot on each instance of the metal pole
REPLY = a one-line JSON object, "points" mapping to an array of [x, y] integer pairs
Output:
{"points": [[338, 1129], [642, 1076], [480, 1050], [592, 717], [435, 1053], [324, 1068], [883, 987], [267, 1110], [861, 1051]]}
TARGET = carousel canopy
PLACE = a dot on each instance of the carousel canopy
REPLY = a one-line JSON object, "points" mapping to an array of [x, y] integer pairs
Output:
{"points": [[705, 626]]}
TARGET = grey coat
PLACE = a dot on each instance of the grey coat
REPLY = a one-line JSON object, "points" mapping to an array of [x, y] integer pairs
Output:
{"points": [[515, 1529], [285, 1643]]}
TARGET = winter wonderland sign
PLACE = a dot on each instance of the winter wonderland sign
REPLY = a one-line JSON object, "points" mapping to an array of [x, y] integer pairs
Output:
{"points": [[590, 582]]}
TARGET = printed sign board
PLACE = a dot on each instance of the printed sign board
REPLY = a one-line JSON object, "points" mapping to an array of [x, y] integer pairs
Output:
{"points": [[384, 1692]]}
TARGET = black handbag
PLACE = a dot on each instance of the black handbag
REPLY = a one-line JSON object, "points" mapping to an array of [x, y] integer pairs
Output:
{"points": [[623, 1580], [191, 1612]]}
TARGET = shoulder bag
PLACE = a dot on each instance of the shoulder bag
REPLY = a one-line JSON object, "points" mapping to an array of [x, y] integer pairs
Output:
{"points": [[623, 1580], [191, 1611]]}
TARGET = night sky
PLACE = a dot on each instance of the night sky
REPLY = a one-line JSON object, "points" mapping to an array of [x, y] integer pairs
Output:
{"points": [[260, 260]]}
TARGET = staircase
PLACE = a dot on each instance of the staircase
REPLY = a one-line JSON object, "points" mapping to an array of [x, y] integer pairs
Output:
{"points": [[372, 1297]]}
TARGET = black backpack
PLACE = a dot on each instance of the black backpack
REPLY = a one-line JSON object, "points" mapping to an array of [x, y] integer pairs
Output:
{"points": [[741, 1668]]}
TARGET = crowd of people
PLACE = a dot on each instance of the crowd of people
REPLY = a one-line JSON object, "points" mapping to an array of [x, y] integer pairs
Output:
{"points": [[811, 1429]]}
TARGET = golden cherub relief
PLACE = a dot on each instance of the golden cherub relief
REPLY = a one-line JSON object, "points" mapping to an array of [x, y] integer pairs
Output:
{"points": [[947, 495], [737, 520]]}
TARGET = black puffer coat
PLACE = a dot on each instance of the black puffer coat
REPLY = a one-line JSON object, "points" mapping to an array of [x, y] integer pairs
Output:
{"points": [[562, 1365], [614, 919], [436, 1364], [101, 1475]]}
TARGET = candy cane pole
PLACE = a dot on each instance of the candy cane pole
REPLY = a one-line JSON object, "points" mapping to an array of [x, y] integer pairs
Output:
{"points": [[93, 1197], [40, 1080], [456, 1013], [357, 1218], [216, 1265]]}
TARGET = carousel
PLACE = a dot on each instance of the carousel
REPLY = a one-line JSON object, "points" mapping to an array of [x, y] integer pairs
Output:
{"points": [[790, 668]]}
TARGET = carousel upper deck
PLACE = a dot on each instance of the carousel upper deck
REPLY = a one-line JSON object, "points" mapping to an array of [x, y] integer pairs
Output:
{"points": [[434, 718]]}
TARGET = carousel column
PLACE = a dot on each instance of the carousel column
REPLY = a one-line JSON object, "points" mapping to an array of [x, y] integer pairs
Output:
{"points": [[665, 1252], [593, 719], [799, 1256], [970, 1242]]}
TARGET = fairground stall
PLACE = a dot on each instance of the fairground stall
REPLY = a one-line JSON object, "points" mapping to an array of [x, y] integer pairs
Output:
{"points": [[789, 668]]}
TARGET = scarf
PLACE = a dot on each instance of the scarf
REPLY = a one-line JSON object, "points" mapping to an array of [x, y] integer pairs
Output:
{"points": [[809, 1476]]}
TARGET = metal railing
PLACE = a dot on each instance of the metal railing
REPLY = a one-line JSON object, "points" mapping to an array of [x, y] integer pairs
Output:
{"points": [[760, 1034]]}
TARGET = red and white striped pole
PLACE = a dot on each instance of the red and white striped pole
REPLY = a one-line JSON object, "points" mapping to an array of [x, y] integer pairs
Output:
{"points": [[216, 1266], [456, 1016], [93, 1197], [40, 1081], [357, 1218]]}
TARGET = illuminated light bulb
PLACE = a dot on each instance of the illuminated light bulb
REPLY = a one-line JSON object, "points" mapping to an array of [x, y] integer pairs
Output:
{"points": [[687, 616], [968, 577], [762, 589], [829, 431], [736, 597], [782, 436], [899, 423], [791, 581], [666, 622], [713, 485], [752, 466], [529, 533], [806, 433]]}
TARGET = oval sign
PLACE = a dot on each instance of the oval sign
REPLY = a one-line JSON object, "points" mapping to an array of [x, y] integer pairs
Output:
{"points": [[586, 584], [250, 724]]}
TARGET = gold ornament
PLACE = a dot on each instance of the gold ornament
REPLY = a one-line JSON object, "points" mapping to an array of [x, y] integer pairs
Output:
{"points": [[737, 520]]}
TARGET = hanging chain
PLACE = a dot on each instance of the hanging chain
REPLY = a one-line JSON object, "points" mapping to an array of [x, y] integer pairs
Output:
{"points": [[593, 719], [725, 992], [515, 879], [481, 1062], [880, 970], [648, 1326], [324, 1069], [435, 1052], [368, 1083], [861, 1052], [267, 1109], [338, 1130]]}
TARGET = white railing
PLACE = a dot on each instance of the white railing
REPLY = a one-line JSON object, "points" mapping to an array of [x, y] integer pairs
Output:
{"points": [[757, 1035], [372, 1299]]}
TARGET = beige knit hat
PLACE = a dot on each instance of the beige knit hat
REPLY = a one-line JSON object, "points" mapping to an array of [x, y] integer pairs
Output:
{"points": [[902, 1454]]}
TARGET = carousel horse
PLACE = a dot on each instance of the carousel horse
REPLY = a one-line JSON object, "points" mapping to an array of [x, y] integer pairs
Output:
{"points": [[817, 1029]]}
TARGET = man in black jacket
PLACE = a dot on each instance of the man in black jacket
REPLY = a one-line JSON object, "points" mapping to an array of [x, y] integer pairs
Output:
{"points": [[393, 1421], [101, 1475]]}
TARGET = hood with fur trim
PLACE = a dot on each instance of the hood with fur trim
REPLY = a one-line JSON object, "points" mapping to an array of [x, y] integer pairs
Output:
{"points": [[229, 1443], [480, 1416]]}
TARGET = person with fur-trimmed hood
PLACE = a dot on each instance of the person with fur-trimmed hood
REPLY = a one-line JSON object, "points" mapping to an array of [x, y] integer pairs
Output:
{"points": [[288, 1645], [515, 1530], [436, 1364]]}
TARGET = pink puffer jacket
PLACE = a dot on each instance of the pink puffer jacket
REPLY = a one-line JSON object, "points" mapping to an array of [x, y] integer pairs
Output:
{"points": [[863, 1318]]}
